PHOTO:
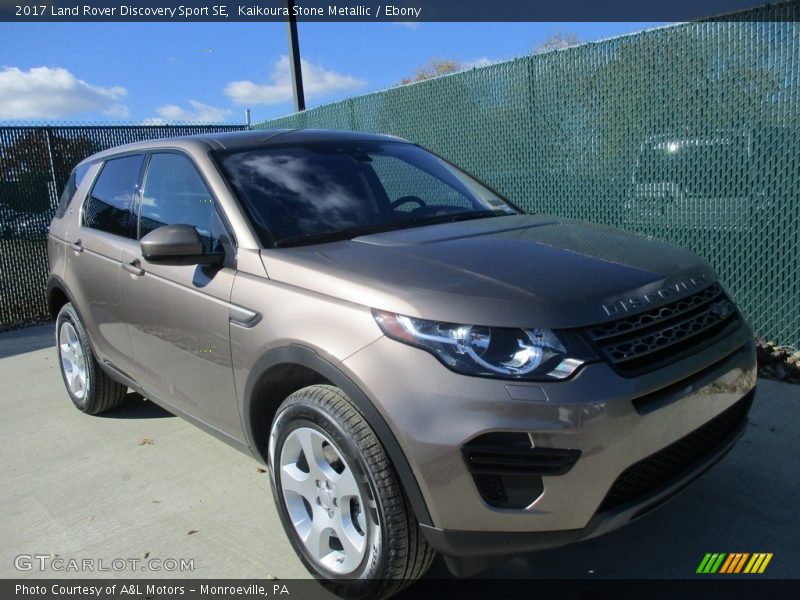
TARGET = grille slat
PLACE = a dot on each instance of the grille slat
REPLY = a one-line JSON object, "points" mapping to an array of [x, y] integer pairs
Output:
{"points": [[647, 318], [651, 339], [668, 463]]}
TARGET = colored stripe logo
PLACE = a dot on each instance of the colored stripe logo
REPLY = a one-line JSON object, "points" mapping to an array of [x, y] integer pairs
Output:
{"points": [[735, 562]]}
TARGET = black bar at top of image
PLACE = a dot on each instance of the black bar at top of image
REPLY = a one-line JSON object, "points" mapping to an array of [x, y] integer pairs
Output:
{"points": [[394, 10]]}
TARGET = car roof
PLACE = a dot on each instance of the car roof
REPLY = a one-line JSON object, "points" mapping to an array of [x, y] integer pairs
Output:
{"points": [[238, 140]]}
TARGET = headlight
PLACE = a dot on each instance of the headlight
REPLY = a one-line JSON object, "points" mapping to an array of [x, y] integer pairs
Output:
{"points": [[488, 351]]}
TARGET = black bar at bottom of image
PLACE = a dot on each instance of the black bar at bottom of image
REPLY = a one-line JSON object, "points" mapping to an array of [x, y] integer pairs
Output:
{"points": [[715, 586]]}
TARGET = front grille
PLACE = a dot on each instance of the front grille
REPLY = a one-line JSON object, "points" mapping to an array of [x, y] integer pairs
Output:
{"points": [[667, 464], [652, 339]]}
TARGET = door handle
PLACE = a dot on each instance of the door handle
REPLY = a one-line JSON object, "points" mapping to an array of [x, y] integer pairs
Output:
{"points": [[133, 268], [77, 246]]}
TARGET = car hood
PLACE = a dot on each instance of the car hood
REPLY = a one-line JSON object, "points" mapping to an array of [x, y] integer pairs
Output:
{"points": [[511, 271]]}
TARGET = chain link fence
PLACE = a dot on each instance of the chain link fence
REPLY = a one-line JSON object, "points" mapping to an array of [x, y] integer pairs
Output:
{"points": [[35, 163], [689, 133]]}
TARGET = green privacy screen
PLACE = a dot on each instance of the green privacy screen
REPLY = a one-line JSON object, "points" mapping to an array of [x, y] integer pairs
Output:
{"points": [[35, 163], [689, 133]]}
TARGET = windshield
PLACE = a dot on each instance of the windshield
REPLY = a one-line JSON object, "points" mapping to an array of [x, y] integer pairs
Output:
{"points": [[317, 192]]}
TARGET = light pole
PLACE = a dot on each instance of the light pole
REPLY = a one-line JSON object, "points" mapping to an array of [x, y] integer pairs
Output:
{"points": [[294, 59]]}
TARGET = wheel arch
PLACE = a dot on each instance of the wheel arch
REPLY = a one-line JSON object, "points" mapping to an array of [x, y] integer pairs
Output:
{"points": [[56, 296], [266, 388]]}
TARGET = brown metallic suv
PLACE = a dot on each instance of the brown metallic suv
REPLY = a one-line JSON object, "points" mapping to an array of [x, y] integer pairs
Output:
{"points": [[423, 366]]}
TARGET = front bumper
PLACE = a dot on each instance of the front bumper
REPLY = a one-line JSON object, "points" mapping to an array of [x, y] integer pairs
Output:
{"points": [[614, 422], [475, 544]]}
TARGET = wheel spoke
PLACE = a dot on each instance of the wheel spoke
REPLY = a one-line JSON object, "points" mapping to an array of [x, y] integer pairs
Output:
{"points": [[69, 372], [75, 382], [69, 337], [295, 481], [318, 539], [81, 377], [67, 354], [312, 449], [352, 541], [346, 486]]}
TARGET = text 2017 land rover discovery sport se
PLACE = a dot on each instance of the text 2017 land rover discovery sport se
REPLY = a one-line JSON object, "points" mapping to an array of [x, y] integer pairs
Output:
{"points": [[423, 366]]}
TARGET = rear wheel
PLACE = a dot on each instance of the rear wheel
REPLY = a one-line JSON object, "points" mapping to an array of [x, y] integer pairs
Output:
{"points": [[88, 386], [339, 499]]}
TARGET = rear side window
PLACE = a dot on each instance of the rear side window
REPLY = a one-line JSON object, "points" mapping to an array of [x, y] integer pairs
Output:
{"points": [[73, 183], [110, 204]]}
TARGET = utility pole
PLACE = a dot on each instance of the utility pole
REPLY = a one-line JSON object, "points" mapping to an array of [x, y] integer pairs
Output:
{"points": [[294, 59]]}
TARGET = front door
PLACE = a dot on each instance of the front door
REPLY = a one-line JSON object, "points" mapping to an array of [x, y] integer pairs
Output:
{"points": [[178, 316]]}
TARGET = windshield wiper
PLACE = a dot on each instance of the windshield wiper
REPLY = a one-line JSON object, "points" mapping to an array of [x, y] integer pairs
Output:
{"points": [[352, 232], [451, 218], [332, 236]]}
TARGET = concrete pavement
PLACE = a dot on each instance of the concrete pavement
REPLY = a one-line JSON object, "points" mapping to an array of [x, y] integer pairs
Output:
{"points": [[142, 483]]}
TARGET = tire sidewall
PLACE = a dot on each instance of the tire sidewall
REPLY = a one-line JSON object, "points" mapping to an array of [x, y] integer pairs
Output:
{"points": [[69, 315], [298, 415]]}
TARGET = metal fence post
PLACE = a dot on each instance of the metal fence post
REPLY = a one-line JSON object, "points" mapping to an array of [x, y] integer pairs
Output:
{"points": [[53, 180]]}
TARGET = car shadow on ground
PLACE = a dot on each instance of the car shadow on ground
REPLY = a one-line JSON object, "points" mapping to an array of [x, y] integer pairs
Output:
{"points": [[137, 407], [20, 341], [30, 339]]}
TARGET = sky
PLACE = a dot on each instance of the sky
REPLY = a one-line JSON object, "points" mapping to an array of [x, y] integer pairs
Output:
{"points": [[212, 72]]}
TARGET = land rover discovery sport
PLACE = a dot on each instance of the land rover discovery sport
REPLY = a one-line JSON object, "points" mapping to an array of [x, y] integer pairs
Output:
{"points": [[423, 366]]}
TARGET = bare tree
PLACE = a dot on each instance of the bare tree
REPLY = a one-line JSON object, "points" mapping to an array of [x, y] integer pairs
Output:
{"points": [[557, 41], [433, 68]]}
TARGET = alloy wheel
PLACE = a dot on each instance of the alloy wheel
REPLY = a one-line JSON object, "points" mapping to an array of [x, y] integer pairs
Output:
{"points": [[73, 360], [327, 507]]}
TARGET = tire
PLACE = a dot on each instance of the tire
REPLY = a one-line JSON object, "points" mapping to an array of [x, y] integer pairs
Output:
{"points": [[91, 390], [362, 539]]}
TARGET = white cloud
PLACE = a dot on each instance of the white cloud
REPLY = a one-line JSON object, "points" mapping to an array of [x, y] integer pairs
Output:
{"points": [[199, 112], [407, 24], [52, 93], [117, 111], [317, 81]]}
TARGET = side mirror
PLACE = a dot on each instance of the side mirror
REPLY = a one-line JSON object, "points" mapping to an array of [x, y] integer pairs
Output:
{"points": [[176, 245]]}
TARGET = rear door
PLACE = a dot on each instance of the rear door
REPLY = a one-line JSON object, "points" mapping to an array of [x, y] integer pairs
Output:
{"points": [[93, 265], [178, 316]]}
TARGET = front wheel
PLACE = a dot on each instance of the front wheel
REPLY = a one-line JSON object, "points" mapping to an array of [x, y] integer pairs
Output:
{"points": [[339, 499]]}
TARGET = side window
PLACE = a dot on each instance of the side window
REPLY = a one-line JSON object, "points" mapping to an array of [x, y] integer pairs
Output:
{"points": [[110, 204], [400, 179], [73, 183], [175, 194]]}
